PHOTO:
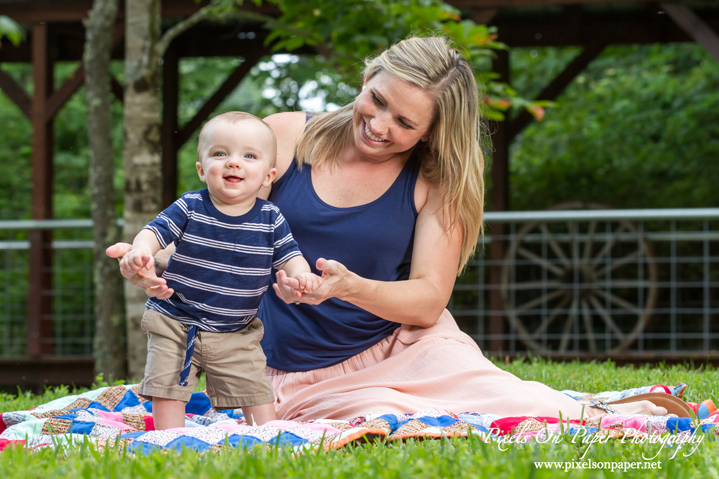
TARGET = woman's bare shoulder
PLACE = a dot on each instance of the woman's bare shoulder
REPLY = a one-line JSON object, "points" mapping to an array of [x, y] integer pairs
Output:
{"points": [[288, 126]]}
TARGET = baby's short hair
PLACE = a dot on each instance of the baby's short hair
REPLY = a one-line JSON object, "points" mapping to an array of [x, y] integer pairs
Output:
{"points": [[236, 117]]}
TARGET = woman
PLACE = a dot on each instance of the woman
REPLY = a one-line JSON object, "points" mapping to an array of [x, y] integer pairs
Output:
{"points": [[390, 190]]}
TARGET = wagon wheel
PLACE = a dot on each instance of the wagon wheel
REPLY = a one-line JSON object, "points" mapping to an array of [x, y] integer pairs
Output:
{"points": [[591, 284]]}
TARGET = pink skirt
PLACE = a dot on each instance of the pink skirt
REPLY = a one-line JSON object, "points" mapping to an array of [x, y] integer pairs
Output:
{"points": [[413, 369]]}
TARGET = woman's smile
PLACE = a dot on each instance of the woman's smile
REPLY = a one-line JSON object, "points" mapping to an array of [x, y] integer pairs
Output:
{"points": [[371, 136]]}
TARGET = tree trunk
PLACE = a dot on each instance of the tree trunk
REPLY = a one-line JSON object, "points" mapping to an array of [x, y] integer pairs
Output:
{"points": [[143, 155], [109, 347]]}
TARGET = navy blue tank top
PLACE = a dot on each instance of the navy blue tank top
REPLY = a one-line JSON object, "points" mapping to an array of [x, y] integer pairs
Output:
{"points": [[372, 240]]}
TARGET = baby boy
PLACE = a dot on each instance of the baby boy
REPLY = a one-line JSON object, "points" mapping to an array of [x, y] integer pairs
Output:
{"points": [[228, 240]]}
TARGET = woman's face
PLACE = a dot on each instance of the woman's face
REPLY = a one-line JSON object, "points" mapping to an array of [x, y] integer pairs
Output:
{"points": [[390, 117]]}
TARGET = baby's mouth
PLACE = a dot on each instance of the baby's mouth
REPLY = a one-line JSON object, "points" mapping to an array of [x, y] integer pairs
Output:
{"points": [[233, 179]]}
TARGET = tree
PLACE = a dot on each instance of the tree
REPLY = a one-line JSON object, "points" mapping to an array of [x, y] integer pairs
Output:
{"points": [[109, 348]]}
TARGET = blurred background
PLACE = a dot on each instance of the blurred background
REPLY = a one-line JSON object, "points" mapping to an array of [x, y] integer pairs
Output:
{"points": [[601, 122]]}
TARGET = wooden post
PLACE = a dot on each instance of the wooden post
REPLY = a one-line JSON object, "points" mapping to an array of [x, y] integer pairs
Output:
{"points": [[499, 201], [170, 127], [39, 305], [558, 84], [694, 26]]}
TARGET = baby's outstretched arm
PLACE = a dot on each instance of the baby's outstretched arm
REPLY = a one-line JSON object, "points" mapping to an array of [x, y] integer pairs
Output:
{"points": [[143, 251], [301, 276]]}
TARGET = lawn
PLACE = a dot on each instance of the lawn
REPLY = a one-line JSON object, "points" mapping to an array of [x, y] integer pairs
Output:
{"points": [[445, 458]]}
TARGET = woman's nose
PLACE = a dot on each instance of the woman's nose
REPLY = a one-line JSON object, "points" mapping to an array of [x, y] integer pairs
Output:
{"points": [[378, 124]]}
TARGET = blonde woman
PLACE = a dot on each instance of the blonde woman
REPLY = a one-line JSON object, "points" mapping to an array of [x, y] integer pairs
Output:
{"points": [[385, 196]]}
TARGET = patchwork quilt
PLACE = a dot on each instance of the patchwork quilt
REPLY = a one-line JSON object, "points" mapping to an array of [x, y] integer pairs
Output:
{"points": [[116, 417]]}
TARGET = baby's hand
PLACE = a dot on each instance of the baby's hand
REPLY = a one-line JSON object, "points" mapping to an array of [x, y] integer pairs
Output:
{"points": [[308, 282], [137, 259]]}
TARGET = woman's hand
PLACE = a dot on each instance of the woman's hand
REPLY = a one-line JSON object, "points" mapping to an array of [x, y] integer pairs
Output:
{"points": [[154, 286], [335, 283]]}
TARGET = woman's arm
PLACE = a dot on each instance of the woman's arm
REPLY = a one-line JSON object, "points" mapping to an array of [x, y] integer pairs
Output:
{"points": [[419, 300], [154, 286]]}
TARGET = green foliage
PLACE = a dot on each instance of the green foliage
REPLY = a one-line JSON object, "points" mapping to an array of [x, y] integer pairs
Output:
{"points": [[11, 29], [347, 32], [638, 129]]}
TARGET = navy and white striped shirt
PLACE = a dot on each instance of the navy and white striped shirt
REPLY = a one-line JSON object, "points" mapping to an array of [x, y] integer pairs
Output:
{"points": [[222, 264]]}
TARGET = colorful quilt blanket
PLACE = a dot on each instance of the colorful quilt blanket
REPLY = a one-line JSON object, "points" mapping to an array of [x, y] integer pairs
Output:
{"points": [[116, 417]]}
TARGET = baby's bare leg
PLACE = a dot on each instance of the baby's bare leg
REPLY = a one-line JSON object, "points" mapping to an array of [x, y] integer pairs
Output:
{"points": [[259, 414], [168, 413]]}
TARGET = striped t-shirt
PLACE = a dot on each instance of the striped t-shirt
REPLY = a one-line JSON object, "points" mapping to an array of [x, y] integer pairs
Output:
{"points": [[222, 264]]}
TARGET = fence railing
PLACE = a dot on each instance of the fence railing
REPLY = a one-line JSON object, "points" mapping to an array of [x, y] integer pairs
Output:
{"points": [[570, 282], [630, 283]]}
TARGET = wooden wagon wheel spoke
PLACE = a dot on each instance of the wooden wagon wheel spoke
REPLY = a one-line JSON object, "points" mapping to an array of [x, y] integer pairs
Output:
{"points": [[589, 268], [540, 261], [537, 301], [620, 302], [620, 262], [568, 325], [605, 249], [554, 245], [546, 321], [535, 285], [573, 243], [587, 317], [606, 317], [588, 245]]}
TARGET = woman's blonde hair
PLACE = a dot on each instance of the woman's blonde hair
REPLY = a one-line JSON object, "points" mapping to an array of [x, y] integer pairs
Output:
{"points": [[452, 158]]}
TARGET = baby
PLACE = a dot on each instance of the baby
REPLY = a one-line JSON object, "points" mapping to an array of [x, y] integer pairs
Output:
{"points": [[228, 240]]}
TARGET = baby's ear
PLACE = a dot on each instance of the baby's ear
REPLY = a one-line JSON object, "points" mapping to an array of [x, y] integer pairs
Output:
{"points": [[200, 171], [270, 177]]}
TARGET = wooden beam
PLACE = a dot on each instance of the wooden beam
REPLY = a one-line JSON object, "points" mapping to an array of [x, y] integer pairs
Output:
{"points": [[64, 93], [41, 372], [536, 28], [16, 93], [225, 89], [77, 10], [548, 28], [694, 26], [484, 16], [39, 305], [557, 85], [530, 3], [73, 82], [170, 126]]}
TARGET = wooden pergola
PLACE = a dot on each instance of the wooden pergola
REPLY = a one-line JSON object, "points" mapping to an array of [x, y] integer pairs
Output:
{"points": [[56, 33]]}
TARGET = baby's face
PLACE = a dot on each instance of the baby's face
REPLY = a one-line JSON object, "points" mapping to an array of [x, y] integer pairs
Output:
{"points": [[235, 160]]}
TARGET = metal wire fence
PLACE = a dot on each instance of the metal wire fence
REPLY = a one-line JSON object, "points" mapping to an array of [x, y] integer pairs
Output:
{"points": [[73, 321], [585, 282], [641, 283]]}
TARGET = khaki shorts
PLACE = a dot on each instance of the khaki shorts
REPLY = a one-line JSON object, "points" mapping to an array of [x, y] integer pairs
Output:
{"points": [[234, 363]]}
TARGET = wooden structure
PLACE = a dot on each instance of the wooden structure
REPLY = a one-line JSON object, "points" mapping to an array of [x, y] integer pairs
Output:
{"points": [[56, 33]]}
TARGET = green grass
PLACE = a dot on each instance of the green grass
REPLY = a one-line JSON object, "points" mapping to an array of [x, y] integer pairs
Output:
{"points": [[412, 459]]}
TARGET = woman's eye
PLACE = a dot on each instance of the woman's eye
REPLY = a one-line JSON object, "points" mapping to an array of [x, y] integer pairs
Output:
{"points": [[376, 100], [405, 125]]}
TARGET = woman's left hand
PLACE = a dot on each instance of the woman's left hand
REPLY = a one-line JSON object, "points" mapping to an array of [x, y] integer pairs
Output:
{"points": [[335, 283]]}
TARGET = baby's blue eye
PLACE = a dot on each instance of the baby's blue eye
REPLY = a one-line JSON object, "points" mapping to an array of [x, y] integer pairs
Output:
{"points": [[250, 155], [220, 153]]}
